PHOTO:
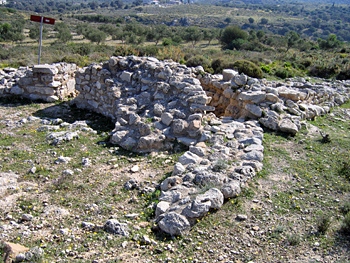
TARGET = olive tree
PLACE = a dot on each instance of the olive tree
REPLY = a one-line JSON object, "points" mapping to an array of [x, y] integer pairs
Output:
{"points": [[233, 37]]}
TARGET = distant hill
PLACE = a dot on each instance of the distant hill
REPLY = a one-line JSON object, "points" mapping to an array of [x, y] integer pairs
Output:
{"points": [[270, 2]]}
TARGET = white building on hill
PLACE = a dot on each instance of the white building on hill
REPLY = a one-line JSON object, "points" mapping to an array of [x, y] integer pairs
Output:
{"points": [[3, 2], [150, 2]]}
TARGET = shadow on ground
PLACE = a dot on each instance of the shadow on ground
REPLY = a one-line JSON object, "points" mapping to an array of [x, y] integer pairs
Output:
{"points": [[71, 114]]}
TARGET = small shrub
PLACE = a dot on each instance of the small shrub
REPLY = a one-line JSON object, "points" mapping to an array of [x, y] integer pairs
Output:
{"points": [[248, 68], [276, 233], [345, 170], [266, 68], [345, 208], [220, 165], [217, 65], [167, 42], [199, 60], [171, 52], [323, 223], [149, 50], [345, 228], [123, 50], [284, 73], [81, 61], [83, 49], [344, 74], [293, 239]]}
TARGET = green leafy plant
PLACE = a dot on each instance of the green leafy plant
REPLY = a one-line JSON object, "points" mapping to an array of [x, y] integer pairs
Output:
{"points": [[248, 68]]}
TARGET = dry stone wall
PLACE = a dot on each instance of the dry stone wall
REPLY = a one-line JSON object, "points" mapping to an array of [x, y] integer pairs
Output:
{"points": [[40, 82], [154, 103], [279, 106]]}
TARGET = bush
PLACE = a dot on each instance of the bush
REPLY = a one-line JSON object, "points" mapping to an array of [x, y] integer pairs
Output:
{"points": [[293, 239], [345, 228], [167, 42], [344, 74], [345, 208], [220, 165], [199, 60], [284, 73], [81, 61], [82, 49], [266, 68], [324, 70], [248, 68], [323, 223], [345, 170], [217, 65], [123, 50], [148, 50]]}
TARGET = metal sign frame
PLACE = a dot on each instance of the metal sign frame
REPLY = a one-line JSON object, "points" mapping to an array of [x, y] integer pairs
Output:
{"points": [[42, 20]]}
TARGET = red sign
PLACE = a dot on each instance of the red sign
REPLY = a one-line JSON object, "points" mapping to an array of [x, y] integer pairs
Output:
{"points": [[45, 20]]}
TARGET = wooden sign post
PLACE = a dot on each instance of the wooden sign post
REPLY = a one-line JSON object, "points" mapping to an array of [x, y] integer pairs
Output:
{"points": [[42, 20]]}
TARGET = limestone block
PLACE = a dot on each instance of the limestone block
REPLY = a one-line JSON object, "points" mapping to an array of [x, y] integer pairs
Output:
{"points": [[118, 136], [126, 76], [94, 104], [179, 126], [253, 155], [291, 94], [228, 74], [186, 141], [189, 158], [16, 90], [114, 227], [129, 143], [272, 98], [45, 69], [167, 118], [174, 224], [231, 189], [178, 169], [152, 142], [54, 84], [240, 80], [170, 182], [171, 196], [228, 93], [52, 99], [161, 208], [214, 196], [196, 209], [287, 126], [254, 110], [254, 97]]}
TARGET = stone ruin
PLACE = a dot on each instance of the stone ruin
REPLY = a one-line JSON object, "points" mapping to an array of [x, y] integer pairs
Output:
{"points": [[158, 104], [41, 82]]}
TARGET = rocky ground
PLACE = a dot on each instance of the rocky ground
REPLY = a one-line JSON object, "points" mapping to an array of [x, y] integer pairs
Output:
{"points": [[61, 182]]}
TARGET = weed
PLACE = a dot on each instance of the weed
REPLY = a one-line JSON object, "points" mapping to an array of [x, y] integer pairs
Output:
{"points": [[345, 170], [345, 227], [345, 208], [293, 239], [220, 165], [277, 231], [323, 223]]}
